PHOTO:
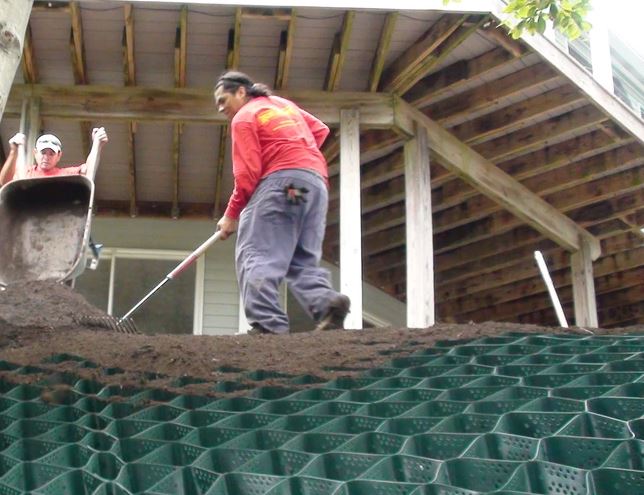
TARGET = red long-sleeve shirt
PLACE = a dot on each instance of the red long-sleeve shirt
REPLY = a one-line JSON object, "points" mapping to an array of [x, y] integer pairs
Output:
{"points": [[270, 134]]}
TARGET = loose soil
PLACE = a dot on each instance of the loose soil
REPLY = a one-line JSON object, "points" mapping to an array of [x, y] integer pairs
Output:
{"points": [[40, 320]]}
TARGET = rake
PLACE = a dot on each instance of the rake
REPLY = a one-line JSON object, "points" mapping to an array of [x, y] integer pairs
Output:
{"points": [[125, 324]]}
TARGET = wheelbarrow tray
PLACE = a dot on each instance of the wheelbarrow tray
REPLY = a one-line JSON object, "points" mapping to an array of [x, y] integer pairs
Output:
{"points": [[44, 228]]}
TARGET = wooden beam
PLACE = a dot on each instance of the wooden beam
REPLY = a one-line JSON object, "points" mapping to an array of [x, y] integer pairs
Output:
{"points": [[452, 42], [77, 47], [338, 53], [455, 76], [419, 248], [233, 62], [399, 72], [180, 63], [131, 165], [382, 50], [232, 58], [287, 38], [583, 288], [519, 115], [129, 65], [129, 75], [534, 137], [493, 94], [498, 34], [491, 181], [29, 68], [350, 238], [188, 104]]}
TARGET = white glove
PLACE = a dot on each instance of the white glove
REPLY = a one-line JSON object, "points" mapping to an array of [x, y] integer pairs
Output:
{"points": [[99, 134], [19, 139]]}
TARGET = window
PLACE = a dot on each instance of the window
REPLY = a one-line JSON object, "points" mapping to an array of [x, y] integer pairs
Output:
{"points": [[125, 276]]}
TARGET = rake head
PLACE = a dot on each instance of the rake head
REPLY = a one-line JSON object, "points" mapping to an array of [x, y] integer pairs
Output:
{"points": [[123, 325]]}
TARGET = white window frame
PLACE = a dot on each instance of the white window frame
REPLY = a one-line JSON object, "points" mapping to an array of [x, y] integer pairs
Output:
{"points": [[111, 255]]}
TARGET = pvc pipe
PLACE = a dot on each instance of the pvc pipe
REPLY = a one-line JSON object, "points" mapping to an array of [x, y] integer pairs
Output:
{"points": [[551, 289]]}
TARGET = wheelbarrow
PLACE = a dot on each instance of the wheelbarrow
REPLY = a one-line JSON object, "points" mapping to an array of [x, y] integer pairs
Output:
{"points": [[45, 226]]}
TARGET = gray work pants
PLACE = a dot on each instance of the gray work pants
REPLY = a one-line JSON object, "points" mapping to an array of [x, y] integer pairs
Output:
{"points": [[278, 240]]}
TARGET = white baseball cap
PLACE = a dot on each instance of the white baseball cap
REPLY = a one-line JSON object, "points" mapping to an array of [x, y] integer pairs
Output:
{"points": [[49, 141]]}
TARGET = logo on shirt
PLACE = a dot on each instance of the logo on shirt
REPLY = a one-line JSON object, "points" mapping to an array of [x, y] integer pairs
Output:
{"points": [[277, 118]]}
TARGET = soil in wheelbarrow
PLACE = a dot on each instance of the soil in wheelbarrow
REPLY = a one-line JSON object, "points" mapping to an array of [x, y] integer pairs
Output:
{"points": [[38, 322]]}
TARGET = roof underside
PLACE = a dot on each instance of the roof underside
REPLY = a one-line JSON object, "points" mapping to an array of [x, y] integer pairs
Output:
{"points": [[491, 92]]}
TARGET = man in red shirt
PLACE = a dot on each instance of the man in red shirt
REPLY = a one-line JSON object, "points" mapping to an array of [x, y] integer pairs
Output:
{"points": [[278, 206], [47, 155]]}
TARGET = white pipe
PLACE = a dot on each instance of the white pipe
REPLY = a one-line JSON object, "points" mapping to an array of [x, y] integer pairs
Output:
{"points": [[551, 289]]}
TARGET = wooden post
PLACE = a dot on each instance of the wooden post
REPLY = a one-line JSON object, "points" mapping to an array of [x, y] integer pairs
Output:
{"points": [[583, 287], [14, 15], [350, 215], [420, 250]]}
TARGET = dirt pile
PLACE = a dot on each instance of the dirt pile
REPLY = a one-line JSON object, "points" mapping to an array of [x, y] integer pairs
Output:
{"points": [[43, 304]]}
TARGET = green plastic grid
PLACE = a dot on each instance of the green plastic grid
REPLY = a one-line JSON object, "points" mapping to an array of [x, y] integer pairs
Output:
{"points": [[301, 422], [533, 424], [616, 481], [278, 462], [220, 460], [30, 449], [409, 426], [578, 452], [341, 466], [476, 474], [186, 481], [403, 468], [303, 485], [138, 477], [546, 478], [438, 446], [601, 397], [243, 483], [374, 443], [502, 446], [628, 455], [28, 476]]}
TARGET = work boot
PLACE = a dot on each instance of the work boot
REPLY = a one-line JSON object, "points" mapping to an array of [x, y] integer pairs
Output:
{"points": [[336, 313], [257, 329]]}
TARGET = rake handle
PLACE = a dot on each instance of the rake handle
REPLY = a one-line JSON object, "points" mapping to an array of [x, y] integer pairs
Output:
{"points": [[178, 269]]}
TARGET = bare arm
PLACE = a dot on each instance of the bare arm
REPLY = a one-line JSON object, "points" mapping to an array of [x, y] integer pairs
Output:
{"points": [[9, 168], [99, 139]]}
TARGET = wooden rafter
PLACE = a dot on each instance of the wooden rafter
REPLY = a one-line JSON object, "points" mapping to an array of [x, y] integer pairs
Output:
{"points": [[338, 53], [382, 51], [180, 62], [397, 75], [77, 47], [460, 107], [285, 53], [453, 77], [232, 58], [129, 75], [29, 68], [499, 35], [452, 42]]}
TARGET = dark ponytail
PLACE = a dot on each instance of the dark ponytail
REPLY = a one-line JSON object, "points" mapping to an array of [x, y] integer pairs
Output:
{"points": [[231, 81]]}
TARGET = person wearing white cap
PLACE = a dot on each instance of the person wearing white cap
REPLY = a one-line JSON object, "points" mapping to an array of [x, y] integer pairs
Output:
{"points": [[47, 154]]}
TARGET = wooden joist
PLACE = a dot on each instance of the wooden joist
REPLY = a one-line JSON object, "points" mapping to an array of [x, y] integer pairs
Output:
{"points": [[396, 78], [287, 38], [180, 62], [338, 52], [29, 67], [463, 106], [129, 75], [455, 76], [382, 50]]}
